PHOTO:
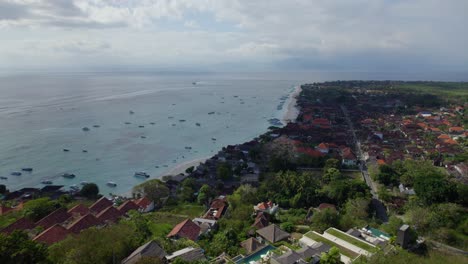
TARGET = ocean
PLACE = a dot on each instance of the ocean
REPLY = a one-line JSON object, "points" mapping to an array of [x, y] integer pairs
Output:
{"points": [[137, 121]]}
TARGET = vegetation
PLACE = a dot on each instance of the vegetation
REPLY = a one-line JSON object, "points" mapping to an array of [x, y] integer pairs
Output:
{"points": [[352, 240], [18, 248], [154, 189], [90, 191], [38, 208], [332, 257]]}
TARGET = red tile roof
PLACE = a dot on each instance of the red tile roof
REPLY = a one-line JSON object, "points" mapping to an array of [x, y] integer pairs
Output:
{"points": [[83, 222], [127, 206], [310, 152], [52, 235], [100, 205], [456, 129], [348, 154], [143, 202], [381, 162], [187, 229], [56, 217], [20, 224], [79, 209], [443, 136], [217, 209], [110, 214]]}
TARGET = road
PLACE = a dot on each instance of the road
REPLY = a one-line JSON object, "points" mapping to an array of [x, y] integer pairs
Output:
{"points": [[379, 207]]}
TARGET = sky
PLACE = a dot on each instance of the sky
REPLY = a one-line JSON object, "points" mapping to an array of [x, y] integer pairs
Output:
{"points": [[262, 35]]}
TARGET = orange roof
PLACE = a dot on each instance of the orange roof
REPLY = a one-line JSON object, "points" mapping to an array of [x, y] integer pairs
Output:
{"points": [[310, 152], [187, 229], [56, 217], [443, 136], [79, 209], [100, 205], [456, 129], [435, 129], [450, 141], [381, 162], [52, 235], [127, 206], [323, 146], [83, 222], [143, 202], [110, 214], [422, 125]]}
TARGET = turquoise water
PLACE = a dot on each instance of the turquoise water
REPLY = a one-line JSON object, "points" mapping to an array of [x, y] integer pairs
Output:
{"points": [[43, 114], [256, 256]]}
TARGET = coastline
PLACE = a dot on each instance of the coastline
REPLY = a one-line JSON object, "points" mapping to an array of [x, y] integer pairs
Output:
{"points": [[181, 167], [292, 110]]}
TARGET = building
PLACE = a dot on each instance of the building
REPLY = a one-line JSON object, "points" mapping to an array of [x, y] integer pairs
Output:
{"points": [[272, 234], [252, 245], [187, 229], [403, 236], [150, 249], [189, 254]]}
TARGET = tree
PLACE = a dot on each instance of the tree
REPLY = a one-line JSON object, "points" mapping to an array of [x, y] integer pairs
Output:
{"points": [[204, 194], [331, 163], [357, 212], [187, 190], [332, 257], [189, 169], [392, 226], [332, 175], [90, 191], [18, 248], [387, 175], [224, 171], [153, 189], [3, 189], [288, 227], [38, 208], [434, 188], [324, 219]]}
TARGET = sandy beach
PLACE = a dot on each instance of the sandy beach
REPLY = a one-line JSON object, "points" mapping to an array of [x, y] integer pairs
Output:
{"points": [[181, 167], [292, 111]]}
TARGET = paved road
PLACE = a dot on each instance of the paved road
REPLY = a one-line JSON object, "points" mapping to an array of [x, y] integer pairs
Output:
{"points": [[379, 207]]}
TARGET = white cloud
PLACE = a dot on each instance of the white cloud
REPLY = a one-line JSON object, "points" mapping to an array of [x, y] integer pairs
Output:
{"points": [[137, 32]]}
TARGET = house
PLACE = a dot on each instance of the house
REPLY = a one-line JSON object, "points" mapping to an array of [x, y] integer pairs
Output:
{"points": [[217, 209], [187, 229], [83, 222], [348, 157], [56, 217], [52, 235], [323, 148], [78, 210], [110, 214], [145, 204], [189, 254], [206, 225], [100, 205], [260, 221], [20, 224], [456, 130], [127, 206], [251, 245], [150, 249], [290, 257], [272, 234], [266, 207]]}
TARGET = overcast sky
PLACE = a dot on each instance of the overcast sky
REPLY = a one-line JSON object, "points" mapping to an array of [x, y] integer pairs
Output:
{"points": [[235, 34]]}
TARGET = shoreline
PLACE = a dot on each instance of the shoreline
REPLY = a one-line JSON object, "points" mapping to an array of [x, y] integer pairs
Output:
{"points": [[181, 167], [292, 111]]}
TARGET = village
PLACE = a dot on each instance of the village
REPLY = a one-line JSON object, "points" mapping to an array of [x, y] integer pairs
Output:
{"points": [[331, 187]]}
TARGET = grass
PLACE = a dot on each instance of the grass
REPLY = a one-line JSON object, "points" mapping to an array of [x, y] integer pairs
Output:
{"points": [[186, 209], [343, 250], [352, 240], [161, 223], [449, 89], [9, 218]]}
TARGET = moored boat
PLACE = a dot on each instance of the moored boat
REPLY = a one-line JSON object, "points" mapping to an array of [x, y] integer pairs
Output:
{"points": [[27, 169], [141, 174], [111, 184], [68, 175], [16, 173], [47, 182], [3, 178]]}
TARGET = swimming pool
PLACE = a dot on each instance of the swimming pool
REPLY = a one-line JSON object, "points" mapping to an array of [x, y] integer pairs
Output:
{"points": [[256, 256]]}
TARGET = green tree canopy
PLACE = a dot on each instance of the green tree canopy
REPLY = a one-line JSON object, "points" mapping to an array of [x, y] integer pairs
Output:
{"points": [[90, 191], [434, 188], [332, 257], [224, 171], [38, 208], [18, 248], [204, 194], [321, 220], [154, 189]]}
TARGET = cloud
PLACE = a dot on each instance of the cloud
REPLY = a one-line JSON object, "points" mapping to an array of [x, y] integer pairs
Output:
{"points": [[312, 34]]}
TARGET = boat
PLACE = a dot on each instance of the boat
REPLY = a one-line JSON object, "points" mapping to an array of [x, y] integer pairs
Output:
{"points": [[111, 184], [74, 187], [66, 150], [84, 150], [46, 182], [141, 126], [127, 123], [96, 126], [85, 129], [84, 182], [152, 123], [68, 175], [141, 174], [131, 112], [3, 178], [181, 120], [211, 113], [143, 136], [188, 147], [27, 169], [197, 124], [16, 173], [194, 83], [213, 139]]}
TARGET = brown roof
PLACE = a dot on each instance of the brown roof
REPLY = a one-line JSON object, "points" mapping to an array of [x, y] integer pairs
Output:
{"points": [[83, 222], [260, 222], [52, 235], [20, 224], [187, 229], [143, 202], [273, 233], [252, 245], [100, 205], [110, 214], [79, 209], [56, 217], [127, 206]]}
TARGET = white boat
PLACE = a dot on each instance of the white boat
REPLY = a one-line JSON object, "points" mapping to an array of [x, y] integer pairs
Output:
{"points": [[74, 187], [111, 184]]}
